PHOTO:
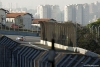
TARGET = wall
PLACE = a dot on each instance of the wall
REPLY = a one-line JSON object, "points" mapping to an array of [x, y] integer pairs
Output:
{"points": [[80, 50], [2, 13], [10, 20], [27, 20], [19, 21], [8, 24], [36, 27], [18, 33], [64, 33]]}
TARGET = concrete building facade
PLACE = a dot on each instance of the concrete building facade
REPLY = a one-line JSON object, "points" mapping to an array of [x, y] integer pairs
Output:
{"points": [[24, 20], [48, 11], [68, 13], [56, 13], [44, 11], [85, 14], [79, 10], [3, 15], [78, 13]]}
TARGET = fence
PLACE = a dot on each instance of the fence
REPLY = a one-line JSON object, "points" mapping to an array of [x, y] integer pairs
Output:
{"points": [[3, 27], [11, 31], [63, 33], [68, 35], [18, 33]]}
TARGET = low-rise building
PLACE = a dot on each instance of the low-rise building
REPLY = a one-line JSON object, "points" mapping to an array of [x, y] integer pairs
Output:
{"points": [[10, 17], [20, 19], [3, 15], [24, 21], [36, 25]]}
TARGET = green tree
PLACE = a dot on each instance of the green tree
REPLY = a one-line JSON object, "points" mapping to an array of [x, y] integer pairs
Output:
{"points": [[96, 23], [87, 40]]}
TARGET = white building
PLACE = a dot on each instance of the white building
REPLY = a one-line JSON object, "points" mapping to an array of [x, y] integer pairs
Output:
{"points": [[16, 11], [94, 11], [20, 19], [3, 15], [56, 13], [24, 20], [44, 11], [36, 24], [0, 4], [68, 13], [41, 11], [78, 13], [10, 17], [79, 8], [37, 14], [48, 11], [92, 8], [85, 14]]}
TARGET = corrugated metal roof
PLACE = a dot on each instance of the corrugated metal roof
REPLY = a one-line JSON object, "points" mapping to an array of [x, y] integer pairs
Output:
{"points": [[25, 56]]}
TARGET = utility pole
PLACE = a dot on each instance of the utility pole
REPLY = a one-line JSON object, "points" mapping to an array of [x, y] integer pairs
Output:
{"points": [[52, 54]]}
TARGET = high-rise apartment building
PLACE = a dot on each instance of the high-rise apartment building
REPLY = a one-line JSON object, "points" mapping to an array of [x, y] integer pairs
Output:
{"points": [[44, 11], [94, 11], [56, 13], [0, 4], [79, 10], [49, 11], [74, 13], [68, 13], [97, 10], [37, 14], [92, 8], [78, 13], [85, 14]]}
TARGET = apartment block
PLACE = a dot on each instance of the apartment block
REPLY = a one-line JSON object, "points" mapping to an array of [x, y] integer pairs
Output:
{"points": [[79, 11], [68, 13], [85, 14]]}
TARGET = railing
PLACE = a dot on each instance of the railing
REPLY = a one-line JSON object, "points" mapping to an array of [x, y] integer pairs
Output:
{"points": [[18, 31]]}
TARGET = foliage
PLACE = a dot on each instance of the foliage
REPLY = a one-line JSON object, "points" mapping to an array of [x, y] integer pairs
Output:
{"points": [[96, 23], [88, 40]]}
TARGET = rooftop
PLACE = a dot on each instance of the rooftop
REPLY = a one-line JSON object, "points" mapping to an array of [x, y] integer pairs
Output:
{"points": [[13, 15], [35, 21]]}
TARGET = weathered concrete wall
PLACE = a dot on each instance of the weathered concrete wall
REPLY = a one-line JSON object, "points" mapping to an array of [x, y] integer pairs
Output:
{"points": [[80, 50], [63, 33]]}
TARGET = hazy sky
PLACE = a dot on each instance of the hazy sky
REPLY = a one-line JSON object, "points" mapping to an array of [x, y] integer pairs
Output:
{"points": [[35, 3]]}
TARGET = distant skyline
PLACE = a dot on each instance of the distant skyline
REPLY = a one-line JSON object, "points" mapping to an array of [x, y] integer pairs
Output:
{"points": [[34, 3]]}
